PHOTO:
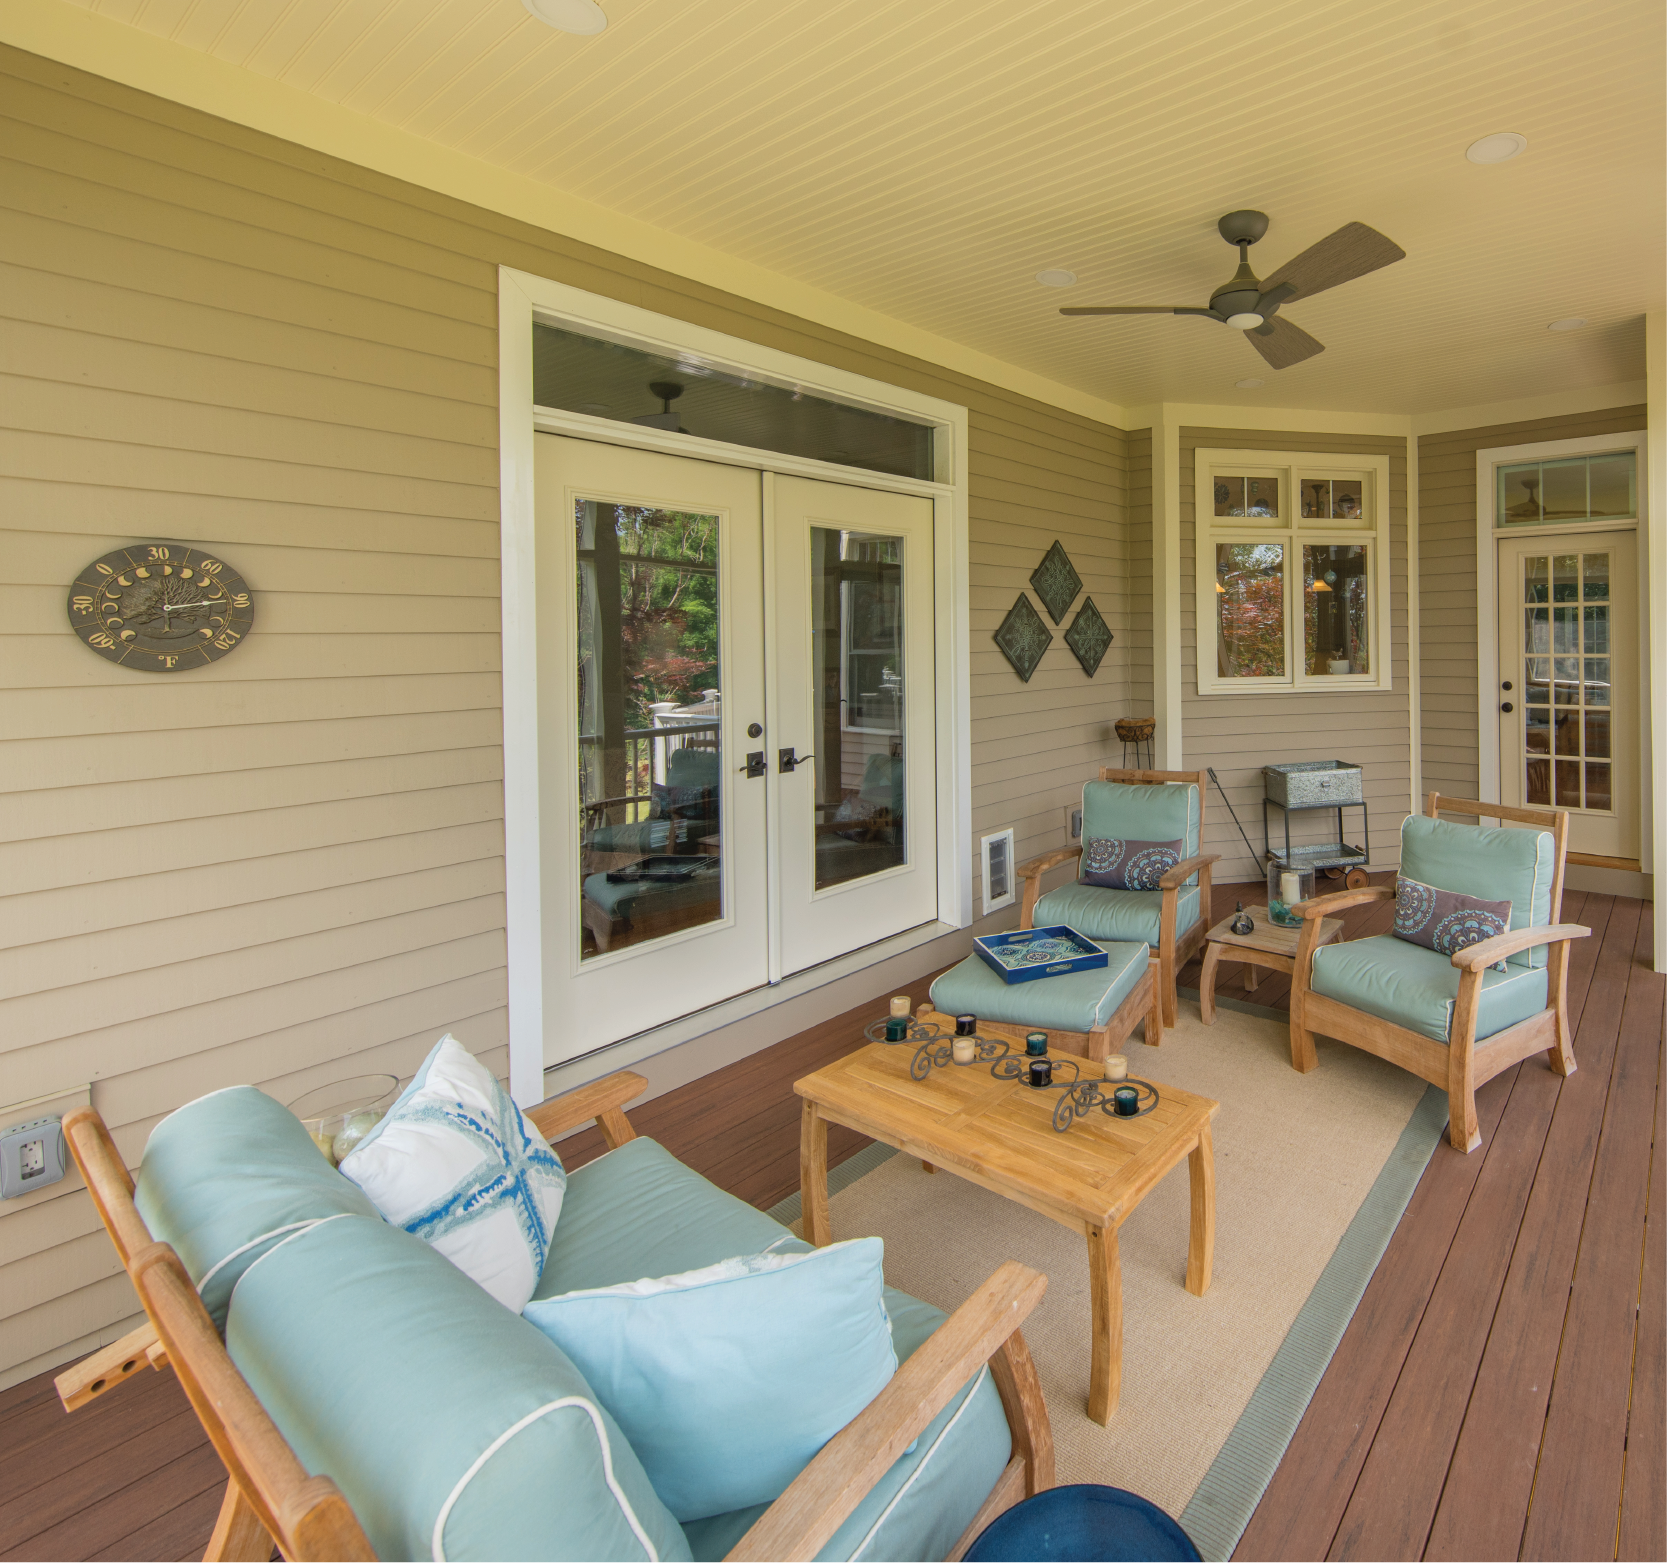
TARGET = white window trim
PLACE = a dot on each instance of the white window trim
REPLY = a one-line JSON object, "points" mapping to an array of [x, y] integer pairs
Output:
{"points": [[1208, 529], [1488, 533], [522, 298]]}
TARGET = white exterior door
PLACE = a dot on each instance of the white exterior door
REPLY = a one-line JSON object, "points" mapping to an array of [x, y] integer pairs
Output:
{"points": [[854, 746], [653, 874], [1568, 671]]}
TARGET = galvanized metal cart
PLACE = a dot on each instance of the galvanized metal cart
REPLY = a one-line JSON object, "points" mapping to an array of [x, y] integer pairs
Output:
{"points": [[1317, 784]]}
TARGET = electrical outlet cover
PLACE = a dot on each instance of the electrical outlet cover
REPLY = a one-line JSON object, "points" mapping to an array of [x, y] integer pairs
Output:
{"points": [[32, 1156]]}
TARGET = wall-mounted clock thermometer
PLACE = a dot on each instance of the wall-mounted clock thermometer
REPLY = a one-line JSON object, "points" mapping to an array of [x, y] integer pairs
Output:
{"points": [[161, 607]]}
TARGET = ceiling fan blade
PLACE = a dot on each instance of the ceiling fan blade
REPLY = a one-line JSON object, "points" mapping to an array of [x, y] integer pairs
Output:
{"points": [[1282, 343], [1140, 309], [1353, 251]]}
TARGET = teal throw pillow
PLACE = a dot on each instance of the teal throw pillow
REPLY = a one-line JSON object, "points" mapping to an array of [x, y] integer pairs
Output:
{"points": [[727, 1380]]}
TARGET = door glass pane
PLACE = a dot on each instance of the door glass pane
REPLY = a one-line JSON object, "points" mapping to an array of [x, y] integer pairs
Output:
{"points": [[650, 745], [1537, 782], [1597, 734], [1594, 572], [856, 590], [1568, 732], [1536, 578], [1597, 681], [1568, 784], [1536, 629], [1565, 578], [1335, 597], [1539, 680], [1597, 632], [1250, 610], [1568, 681], [1565, 629], [1537, 730], [1597, 786]]}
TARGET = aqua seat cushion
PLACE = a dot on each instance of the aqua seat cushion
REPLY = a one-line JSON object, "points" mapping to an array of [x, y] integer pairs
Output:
{"points": [[1512, 865], [779, 1349], [641, 837], [226, 1177], [920, 1507], [638, 1211], [1119, 916], [453, 1427], [1417, 988], [1075, 1001]]}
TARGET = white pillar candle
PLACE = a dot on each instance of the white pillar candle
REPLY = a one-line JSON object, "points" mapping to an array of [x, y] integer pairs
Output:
{"points": [[900, 1004], [964, 1049], [1117, 1067], [1290, 888]]}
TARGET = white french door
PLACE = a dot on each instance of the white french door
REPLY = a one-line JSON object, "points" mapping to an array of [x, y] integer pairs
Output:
{"points": [[651, 670], [856, 859], [687, 854], [1568, 696]]}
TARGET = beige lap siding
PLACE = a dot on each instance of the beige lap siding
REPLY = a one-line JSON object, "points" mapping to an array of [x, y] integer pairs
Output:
{"points": [[288, 867]]}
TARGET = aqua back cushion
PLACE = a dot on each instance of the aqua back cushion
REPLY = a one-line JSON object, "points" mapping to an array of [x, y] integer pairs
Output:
{"points": [[1149, 811], [228, 1176], [454, 1428], [1512, 865]]}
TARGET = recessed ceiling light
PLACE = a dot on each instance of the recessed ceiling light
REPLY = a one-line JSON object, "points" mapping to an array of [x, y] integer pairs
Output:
{"points": [[1573, 323], [584, 17], [1500, 148], [1056, 279], [1248, 385]]}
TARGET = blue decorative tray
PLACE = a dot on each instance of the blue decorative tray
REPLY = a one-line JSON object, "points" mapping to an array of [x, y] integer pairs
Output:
{"points": [[1032, 953]]}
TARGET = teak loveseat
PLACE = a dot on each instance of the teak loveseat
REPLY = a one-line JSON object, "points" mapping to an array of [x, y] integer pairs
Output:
{"points": [[298, 1476]]}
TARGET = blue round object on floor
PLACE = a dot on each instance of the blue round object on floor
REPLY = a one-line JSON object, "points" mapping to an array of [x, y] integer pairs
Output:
{"points": [[1083, 1522]]}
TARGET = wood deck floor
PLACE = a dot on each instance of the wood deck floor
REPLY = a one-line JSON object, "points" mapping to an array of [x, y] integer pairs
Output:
{"points": [[1500, 1393]]}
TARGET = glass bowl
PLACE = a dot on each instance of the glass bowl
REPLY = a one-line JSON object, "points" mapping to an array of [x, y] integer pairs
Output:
{"points": [[1286, 887], [339, 1115]]}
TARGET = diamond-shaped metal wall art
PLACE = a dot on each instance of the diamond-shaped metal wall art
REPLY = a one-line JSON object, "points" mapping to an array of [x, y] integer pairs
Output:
{"points": [[1088, 637], [1056, 582], [1023, 637]]}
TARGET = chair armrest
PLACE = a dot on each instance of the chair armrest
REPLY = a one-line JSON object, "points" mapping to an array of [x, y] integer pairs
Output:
{"points": [[823, 1495], [1342, 900], [1038, 866], [1475, 956], [601, 1100], [1184, 870]]}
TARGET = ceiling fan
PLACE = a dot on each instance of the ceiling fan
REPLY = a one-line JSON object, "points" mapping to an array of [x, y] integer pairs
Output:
{"points": [[1252, 306]]}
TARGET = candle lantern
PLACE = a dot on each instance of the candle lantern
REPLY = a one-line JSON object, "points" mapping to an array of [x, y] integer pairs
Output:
{"points": [[1286, 887]]}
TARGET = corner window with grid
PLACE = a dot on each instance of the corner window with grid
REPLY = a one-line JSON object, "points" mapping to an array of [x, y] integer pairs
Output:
{"points": [[1292, 593]]}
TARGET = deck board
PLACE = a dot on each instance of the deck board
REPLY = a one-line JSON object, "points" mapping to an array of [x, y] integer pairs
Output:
{"points": [[1424, 1436]]}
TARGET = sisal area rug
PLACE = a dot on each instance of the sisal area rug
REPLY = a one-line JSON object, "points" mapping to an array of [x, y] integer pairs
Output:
{"points": [[1312, 1173]]}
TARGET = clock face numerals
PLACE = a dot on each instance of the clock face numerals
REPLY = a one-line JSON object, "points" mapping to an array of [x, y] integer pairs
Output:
{"points": [[161, 607]]}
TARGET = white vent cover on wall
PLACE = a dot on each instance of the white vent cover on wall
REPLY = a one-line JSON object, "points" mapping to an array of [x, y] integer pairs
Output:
{"points": [[997, 854]]}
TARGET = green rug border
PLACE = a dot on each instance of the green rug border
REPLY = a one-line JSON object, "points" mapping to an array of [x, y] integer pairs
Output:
{"points": [[1219, 1510]]}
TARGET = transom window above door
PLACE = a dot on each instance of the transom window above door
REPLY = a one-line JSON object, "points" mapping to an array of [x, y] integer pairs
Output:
{"points": [[1599, 487], [1292, 555]]}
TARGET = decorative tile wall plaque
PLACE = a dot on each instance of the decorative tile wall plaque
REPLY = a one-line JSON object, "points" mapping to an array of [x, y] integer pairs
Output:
{"points": [[1056, 582], [1088, 637], [1023, 637]]}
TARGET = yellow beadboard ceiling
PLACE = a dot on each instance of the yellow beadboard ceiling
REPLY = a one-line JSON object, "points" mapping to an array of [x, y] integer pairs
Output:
{"points": [[925, 158]]}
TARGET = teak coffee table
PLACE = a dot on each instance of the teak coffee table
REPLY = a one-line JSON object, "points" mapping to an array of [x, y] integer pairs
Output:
{"points": [[999, 1134]]}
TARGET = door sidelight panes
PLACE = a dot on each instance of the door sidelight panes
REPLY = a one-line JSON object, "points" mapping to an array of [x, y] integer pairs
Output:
{"points": [[860, 687], [1567, 758]]}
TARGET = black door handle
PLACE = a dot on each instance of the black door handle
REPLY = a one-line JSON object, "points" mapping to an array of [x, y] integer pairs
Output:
{"points": [[1507, 706], [786, 761], [755, 763]]}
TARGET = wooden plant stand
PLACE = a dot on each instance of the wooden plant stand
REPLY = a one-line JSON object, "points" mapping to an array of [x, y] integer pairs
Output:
{"points": [[999, 1134]]}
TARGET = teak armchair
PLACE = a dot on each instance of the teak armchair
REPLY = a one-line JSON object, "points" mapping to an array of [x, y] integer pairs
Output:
{"points": [[1111, 914], [1463, 1061], [270, 1499]]}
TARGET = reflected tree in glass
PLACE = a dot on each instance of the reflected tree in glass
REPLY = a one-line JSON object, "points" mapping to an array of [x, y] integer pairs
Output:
{"points": [[1250, 610]]}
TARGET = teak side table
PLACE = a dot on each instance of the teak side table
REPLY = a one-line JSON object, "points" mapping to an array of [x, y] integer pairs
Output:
{"points": [[1270, 946], [999, 1134]]}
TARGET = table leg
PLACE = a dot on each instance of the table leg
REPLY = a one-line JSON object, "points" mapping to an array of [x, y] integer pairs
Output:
{"points": [[1250, 977], [1201, 1243], [1207, 984], [813, 1176], [1105, 1282], [927, 1166]]}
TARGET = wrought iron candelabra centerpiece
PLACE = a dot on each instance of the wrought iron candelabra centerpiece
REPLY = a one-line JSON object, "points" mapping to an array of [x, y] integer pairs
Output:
{"points": [[935, 1049]]}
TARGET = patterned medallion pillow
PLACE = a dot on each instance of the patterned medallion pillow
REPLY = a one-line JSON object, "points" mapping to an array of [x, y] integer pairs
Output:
{"points": [[1128, 865], [458, 1164], [1444, 920]]}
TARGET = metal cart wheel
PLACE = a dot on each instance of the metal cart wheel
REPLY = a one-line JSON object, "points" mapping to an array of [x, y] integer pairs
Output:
{"points": [[1356, 879]]}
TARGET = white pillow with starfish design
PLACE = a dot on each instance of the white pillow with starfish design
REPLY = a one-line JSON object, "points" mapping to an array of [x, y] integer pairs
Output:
{"points": [[458, 1164]]}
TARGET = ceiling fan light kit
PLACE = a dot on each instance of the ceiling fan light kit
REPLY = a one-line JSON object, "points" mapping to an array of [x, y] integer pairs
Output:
{"points": [[1253, 305]]}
